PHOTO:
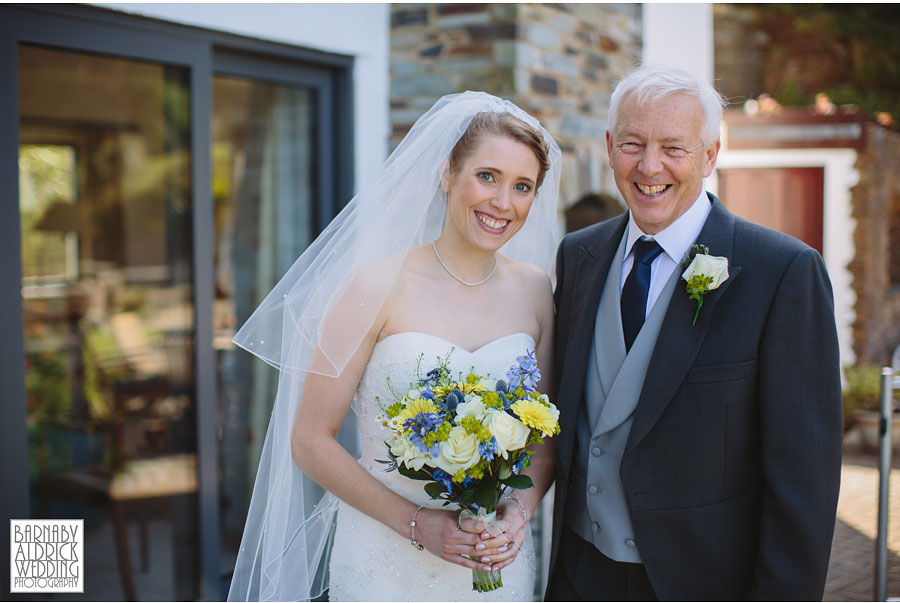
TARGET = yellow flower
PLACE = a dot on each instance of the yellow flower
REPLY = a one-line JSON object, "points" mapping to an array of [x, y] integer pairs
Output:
{"points": [[536, 415], [443, 390], [415, 407]]}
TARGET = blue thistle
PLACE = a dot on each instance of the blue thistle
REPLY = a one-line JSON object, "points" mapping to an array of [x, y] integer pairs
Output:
{"points": [[453, 399]]}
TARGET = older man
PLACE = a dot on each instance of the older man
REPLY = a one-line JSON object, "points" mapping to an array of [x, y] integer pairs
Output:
{"points": [[701, 419]]}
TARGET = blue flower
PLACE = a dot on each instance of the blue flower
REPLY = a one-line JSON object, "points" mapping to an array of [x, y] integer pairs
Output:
{"points": [[501, 387], [453, 399], [444, 479], [421, 425], [488, 449], [431, 376], [526, 374], [427, 393]]}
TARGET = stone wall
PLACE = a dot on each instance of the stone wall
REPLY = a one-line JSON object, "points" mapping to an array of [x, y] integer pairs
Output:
{"points": [[876, 266], [740, 45], [559, 62]]}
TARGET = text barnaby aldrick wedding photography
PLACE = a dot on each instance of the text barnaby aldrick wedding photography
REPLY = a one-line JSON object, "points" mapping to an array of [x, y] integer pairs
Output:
{"points": [[46, 555]]}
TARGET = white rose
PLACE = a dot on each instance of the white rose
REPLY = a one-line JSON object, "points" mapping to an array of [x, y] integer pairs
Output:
{"points": [[470, 408], [459, 451], [510, 433], [489, 384], [708, 265], [408, 453]]}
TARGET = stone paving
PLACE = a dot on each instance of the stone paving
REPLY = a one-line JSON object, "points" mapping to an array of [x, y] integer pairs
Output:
{"points": [[851, 572]]}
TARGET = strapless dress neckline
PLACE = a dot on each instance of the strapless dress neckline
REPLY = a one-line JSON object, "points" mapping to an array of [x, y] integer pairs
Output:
{"points": [[403, 334]]}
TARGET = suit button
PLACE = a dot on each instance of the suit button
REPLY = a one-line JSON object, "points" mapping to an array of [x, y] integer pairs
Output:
{"points": [[596, 451], [630, 543], [595, 526], [592, 489]]}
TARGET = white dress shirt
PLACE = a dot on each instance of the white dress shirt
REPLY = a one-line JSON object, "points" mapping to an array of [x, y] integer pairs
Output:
{"points": [[675, 241]]}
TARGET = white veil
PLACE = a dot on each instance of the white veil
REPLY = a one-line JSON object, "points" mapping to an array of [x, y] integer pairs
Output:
{"points": [[287, 536]]}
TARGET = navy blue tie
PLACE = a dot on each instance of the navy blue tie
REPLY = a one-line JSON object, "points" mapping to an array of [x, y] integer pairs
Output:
{"points": [[637, 285]]}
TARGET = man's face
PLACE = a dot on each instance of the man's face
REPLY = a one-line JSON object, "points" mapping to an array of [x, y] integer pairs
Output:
{"points": [[658, 158]]}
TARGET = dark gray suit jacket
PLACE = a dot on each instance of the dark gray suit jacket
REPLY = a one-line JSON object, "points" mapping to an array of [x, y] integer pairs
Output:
{"points": [[732, 468]]}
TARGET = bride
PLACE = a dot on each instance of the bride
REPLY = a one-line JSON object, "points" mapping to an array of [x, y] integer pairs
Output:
{"points": [[447, 253]]}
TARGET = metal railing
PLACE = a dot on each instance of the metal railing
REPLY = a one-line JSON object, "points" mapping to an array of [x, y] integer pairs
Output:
{"points": [[890, 380]]}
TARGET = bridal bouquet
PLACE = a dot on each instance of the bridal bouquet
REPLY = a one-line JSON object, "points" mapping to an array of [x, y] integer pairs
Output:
{"points": [[469, 436]]}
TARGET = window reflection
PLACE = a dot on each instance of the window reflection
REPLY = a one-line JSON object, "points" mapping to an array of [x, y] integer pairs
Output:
{"points": [[262, 156], [109, 327]]}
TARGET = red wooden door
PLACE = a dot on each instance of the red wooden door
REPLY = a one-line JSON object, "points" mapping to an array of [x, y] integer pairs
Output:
{"points": [[786, 199]]}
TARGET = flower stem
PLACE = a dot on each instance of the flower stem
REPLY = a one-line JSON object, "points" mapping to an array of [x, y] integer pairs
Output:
{"points": [[697, 313]]}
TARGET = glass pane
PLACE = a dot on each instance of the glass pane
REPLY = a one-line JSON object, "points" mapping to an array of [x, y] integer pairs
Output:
{"points": [[104, 172], [262, 157]]}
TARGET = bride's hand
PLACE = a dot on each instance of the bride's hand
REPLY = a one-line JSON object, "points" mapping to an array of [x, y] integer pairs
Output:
{"points": [[436, 530], [498, 544]]}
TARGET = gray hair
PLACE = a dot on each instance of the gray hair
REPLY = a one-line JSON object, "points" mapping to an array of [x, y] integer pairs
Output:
{"points": [[653, 82]]}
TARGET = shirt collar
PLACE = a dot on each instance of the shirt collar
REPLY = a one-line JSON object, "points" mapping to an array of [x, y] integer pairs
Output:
{"points": [[678, 236]]}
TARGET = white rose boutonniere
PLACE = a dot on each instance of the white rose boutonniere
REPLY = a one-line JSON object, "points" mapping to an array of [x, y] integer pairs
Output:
{"points": [[703, 274]]}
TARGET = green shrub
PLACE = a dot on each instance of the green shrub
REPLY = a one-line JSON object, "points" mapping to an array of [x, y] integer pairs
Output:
{"points": [[862, 390]]}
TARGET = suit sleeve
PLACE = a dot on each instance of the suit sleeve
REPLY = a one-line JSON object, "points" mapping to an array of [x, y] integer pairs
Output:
{"points": [[800, 417]]}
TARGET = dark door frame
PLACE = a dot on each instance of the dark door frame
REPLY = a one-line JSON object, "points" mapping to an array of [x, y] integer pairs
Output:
{"points": [[204, 53]]}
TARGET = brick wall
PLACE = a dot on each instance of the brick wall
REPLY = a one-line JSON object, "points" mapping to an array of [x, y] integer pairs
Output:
{"points": [[559, 62], [876, 207]]}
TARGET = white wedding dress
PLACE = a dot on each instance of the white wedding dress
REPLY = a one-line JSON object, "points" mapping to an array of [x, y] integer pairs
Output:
{"points": [[371, 562]]}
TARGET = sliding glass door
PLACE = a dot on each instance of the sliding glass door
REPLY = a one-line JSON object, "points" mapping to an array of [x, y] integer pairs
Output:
{"points": [[264, 140], [157, 182], [107, 273]]}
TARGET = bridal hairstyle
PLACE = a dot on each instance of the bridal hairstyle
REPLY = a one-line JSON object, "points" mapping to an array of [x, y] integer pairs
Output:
{"points": [[653, 82], [500, 124], [316, 317]]}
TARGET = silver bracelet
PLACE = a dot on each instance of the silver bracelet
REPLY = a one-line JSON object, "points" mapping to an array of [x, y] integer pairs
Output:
{"points": [[520, 505], [412, 530]]}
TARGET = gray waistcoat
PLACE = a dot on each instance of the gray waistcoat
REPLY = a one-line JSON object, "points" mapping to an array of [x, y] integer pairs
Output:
{"points": [[596, 508]]}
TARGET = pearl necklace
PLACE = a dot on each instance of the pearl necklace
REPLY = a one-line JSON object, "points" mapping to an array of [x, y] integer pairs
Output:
{"points": [[464, 282]]}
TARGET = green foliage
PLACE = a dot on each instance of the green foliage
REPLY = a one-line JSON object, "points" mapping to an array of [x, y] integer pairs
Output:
{"points": [[518, 482], [692, 253], [851, 52], [486, 495], [434, 490], [862, 390], [698, 286], [421, 474]]}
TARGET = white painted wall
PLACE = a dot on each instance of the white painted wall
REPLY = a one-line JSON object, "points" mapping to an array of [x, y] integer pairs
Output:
{"points": [[360, 30], [680, 35]]}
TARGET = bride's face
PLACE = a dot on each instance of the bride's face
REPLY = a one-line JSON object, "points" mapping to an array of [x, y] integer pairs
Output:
{"points": [[490, 194]]}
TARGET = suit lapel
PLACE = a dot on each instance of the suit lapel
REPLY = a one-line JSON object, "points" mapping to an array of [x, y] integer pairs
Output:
{"points": [[679, 341], [589, 277]]}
